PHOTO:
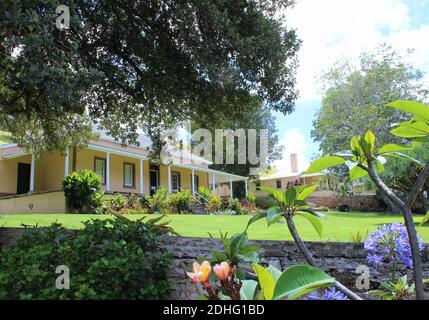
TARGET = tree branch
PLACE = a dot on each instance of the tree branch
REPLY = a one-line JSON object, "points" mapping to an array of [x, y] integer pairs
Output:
{"points": [[409, 223], [381, 185], [310, 260], [418, 185]]}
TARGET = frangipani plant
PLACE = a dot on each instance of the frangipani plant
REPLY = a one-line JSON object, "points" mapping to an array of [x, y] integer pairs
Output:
{"points": [[365, 158], [235, 250], [292, 203], [272, 284]]}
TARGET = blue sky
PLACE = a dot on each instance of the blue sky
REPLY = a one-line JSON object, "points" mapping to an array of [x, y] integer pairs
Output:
{"points": [[333, 29]]}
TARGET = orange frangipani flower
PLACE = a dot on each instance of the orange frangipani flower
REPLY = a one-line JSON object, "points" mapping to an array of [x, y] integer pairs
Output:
{"points": [[201, 272], [221, 271]]}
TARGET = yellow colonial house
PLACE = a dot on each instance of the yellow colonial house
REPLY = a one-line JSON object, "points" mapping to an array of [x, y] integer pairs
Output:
{"points": [[283, 179], [33, 185]]}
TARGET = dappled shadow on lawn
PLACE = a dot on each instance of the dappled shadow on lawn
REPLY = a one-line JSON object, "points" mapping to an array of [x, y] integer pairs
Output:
{"points": [[361, 215]]}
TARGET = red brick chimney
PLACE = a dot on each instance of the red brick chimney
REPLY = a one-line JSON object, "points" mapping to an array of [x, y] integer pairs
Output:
{"points": [[294, 162]]}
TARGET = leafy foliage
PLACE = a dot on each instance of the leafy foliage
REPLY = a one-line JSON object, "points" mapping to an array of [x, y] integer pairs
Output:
{"points": [[365, 158], [355, 98], [294, 282], [265, 202], [82, 189], [399, 290], [167, 63], [236, 250], [256, 116], [290, 203], [108, 259], [179, 201]]}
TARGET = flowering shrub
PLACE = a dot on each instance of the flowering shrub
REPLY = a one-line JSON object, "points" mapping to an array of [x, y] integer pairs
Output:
{"points": [[389, 244], [179, 202], [327, 294], [251, 198], [291, 284], [214, 203], [132, 201], [249, 208]]}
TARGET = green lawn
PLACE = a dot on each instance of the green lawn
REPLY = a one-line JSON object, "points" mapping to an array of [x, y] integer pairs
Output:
{"points": [[337, 226]]}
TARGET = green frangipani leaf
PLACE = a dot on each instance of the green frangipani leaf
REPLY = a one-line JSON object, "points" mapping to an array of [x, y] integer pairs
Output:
{"points": [[299, 280], [400, 155], [268, 190], [370, 140], [273, 215], [266, 281], [345, 153], [357, 173], [276, 194], [324, 163], [305, 193], [255, 218], [392, 147], [419, 141], [290, 196], [301, 203], [379, 166], [276, 273], [416, 108], [312, 212], [315, 221], [356, 147], [248, 289], [411, 129]]}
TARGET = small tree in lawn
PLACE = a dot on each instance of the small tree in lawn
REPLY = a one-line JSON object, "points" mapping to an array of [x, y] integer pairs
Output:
{"points": [[366, 159]]}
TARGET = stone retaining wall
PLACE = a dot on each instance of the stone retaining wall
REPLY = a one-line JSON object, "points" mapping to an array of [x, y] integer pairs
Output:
{"points": [[366, 203], [340, 259]]}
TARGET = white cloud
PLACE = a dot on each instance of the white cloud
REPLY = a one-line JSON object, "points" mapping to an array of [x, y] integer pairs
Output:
{"points": [[331, 29], [293, 141]]}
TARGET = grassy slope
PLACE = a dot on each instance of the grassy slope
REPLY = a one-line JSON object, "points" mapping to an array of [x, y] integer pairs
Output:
{"points": [[337, 226]]}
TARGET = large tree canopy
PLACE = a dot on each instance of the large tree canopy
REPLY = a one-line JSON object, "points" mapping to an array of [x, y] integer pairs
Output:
{"points": [[256, 116], [139, 64], [355, 97]]}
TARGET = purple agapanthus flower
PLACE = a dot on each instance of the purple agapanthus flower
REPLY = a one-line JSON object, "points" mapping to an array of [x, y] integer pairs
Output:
{"points": [[327, 294], [389, 244]]}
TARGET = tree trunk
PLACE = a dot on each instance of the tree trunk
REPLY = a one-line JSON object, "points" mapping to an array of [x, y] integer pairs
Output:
{"points": [[390, 205], [310, 260], [409, 223]]}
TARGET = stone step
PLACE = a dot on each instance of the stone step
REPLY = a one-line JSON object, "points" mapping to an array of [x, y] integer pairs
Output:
{"points": [[198, 208]]}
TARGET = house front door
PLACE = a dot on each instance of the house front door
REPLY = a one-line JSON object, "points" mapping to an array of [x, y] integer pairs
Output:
{"points": [[154, 179], [24, 172]]}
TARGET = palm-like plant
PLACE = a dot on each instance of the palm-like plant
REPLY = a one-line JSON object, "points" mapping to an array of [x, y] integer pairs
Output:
{"points": [[291, 203]]}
